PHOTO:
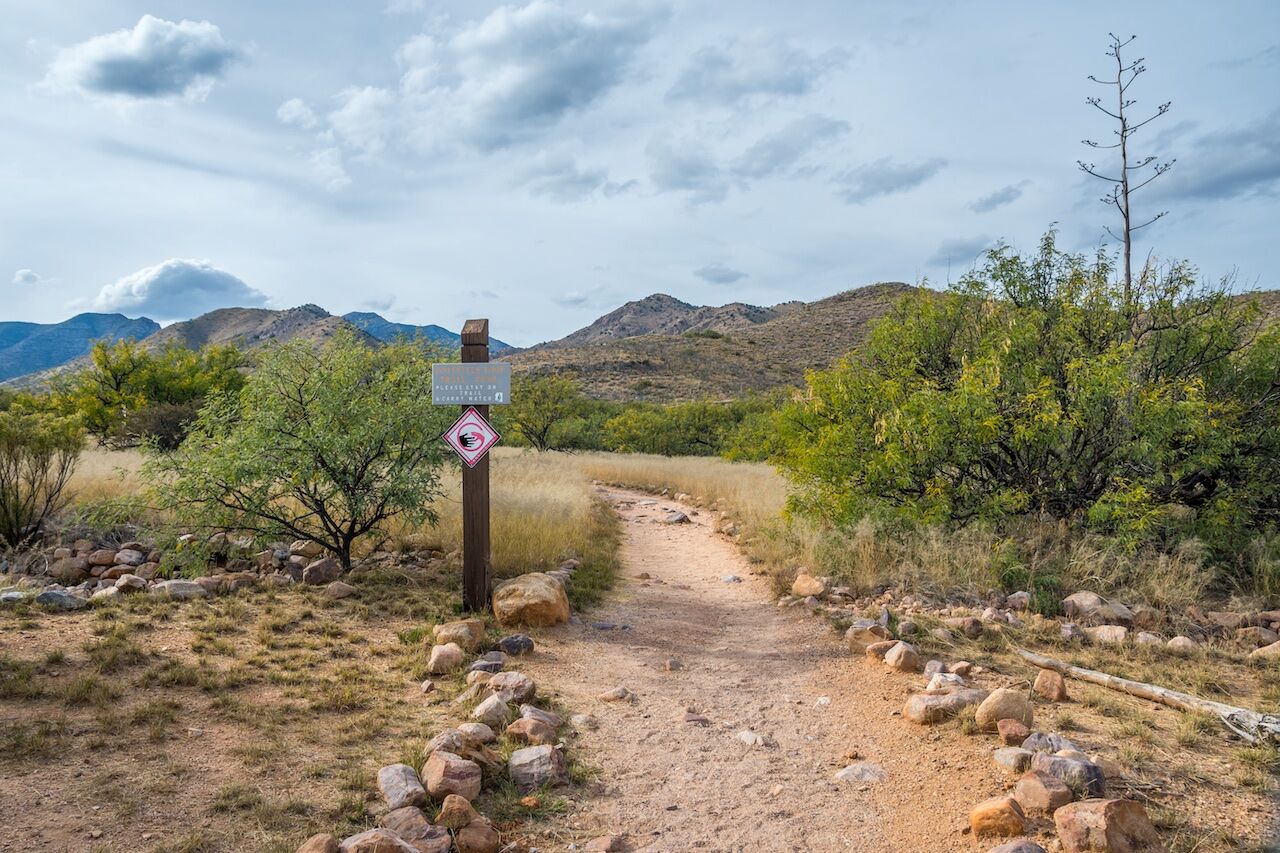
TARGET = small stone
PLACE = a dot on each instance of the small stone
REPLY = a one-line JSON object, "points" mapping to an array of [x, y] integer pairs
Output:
{"points": [[1018, 601], [428, 686], [516, 644], [1020, 845], [1071, 632], [400, 786], [864, 632], [1182, 645], [445, 659], [493, 712], [908, 628], [730, 579], [606, 844], [1050, 685], [532, 712], [934, 667], [582, 721], [1051, 743], [1040, 793], [447, 773], [929, 708], [942, 681], [1107, 635], [455, 813], [1004, 704], [513, 687], [535, 766], [877, 651], [1146, 638], [530, 731], [130, 557], [321, 843], [477, 732], [412, 826], [181, 590], [961, 668], [58, 599], [1114, 826], [103, 557], [479, 836], [1082, 777], [861, 771], [903, 657], [970, 626], [467, 633], [806, 585], [1014, 759], [306, 548], [999, 816], [338, 589], [376, 841], [617, 694], [1012, 732], [672, 665], [321, 572]]}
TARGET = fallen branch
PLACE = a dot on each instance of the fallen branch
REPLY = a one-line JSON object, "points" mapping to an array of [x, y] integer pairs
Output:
{"points": [[1250, 725]]}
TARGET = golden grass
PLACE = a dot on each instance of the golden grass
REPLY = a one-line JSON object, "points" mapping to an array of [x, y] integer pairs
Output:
{"points": [[106, 474]]}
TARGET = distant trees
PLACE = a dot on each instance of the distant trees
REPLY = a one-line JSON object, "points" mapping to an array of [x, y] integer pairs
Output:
{"points": [[542, 411], [322, 443], [1133, 172], [129, 394], [698, 428]]}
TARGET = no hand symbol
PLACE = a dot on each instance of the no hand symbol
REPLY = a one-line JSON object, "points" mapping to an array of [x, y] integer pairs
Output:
{"points": [[471, 437]]}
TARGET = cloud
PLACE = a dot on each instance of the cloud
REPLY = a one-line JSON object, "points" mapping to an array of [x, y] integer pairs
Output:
{"points": [[1005, 195], [885, 177], [573, 299], [759, 66], [688, 167], [519, 71], [719, 274], [296, 112], [363, 117], [327, 169], [960, 253], [26, 277], [1226, 164], [156, 59], [561, 179], [783, 148], [177, 289], [1265, 57]]}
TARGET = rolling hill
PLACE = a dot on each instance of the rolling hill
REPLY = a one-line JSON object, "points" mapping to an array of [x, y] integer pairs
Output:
{"points": [[386, 330], [31, 347]]}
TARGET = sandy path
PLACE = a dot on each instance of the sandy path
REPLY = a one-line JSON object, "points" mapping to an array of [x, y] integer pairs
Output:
{"points": [[670, 785]]}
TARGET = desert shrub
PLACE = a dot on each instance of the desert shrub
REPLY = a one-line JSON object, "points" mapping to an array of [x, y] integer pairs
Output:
{"points": [[698, 428], [1033, 390], [38, 453], [129, 395], [323, 443]]}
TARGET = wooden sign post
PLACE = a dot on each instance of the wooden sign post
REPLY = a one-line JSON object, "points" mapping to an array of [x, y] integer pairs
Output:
{"points": [[475, 491]]}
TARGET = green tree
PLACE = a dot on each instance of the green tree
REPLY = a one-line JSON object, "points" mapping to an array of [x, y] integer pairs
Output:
{"points": [[1038, 385], [544, 411], [322, 443], [38, 455]]}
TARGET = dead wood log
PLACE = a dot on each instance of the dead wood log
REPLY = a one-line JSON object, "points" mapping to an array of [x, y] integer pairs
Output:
{"points": [[1249, 725]]}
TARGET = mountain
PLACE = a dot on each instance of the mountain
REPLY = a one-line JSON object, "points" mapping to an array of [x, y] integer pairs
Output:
{"points": [[251, 327], [662, 349], [386, 330], [32, 347]]}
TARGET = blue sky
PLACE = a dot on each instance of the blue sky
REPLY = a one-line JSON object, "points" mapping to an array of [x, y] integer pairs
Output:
{"points": [[541, 163]]}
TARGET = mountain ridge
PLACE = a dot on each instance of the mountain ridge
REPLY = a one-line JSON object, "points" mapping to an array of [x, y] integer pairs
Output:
{"points": [[32, 347]]}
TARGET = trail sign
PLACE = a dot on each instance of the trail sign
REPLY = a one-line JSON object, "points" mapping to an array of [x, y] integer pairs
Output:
{"points": [[475, 477], [471, 437], [474, 384]]}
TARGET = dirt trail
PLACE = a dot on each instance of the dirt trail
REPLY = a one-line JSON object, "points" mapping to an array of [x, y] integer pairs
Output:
{"points": [[671, 785]]}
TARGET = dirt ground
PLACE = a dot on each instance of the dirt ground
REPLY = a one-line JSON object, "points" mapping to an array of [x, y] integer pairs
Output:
{"points": [[745, 665]]}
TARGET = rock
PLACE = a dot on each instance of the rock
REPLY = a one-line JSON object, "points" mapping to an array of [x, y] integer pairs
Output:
{"points": [[455, 813], [1254, 637], [105, 593], [617, 694], [479, 836], [1018, 601], [60, 599], [338, 589], [1071, 632], [321, 843], [532, 712], [903, 657], [488, 667], [999, 816], [1271, 651], [323, 571], [513, 687], [467, 633], [861, 771], [907, 628], [445, 659], [306, 549], [1147, 618], [1222, 618], [477, 732], [531, 599], [148, 571], [536, 766], [1084, 778], [447, 773], [413, 827], [970, 626], [877, 651], [1020, 845], [130, 557], [864, 632], [1181, 645], [961, 668], [806, 585], [1093, 608], [1107, 635], [375, 841], [103, 557], [606, 844], [1005, 703], [582, 721], [526, 730], [1050, 685], [400, 786], [675, 517], [1040, 742], [69, 570], [493, 712], [212, 584], [730, 579], [516, 645], [1012, 732], [929, 708], [942, 681], [1040, 793], [236, 581], [1114, 826], [181, 590], [1015, 759], [1146, 638]]}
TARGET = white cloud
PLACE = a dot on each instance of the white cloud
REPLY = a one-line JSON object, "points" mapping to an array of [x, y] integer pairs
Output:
{"points": [[753, 67], [177, 289], [997, 199], [26, 277], [363, 119], [156, 59], [885, 177], [328, 170], [686, 166], [719, 274], [782, 149], [296, 112]]}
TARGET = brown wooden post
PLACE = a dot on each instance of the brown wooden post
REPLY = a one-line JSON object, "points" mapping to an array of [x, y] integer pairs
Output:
{"points": [[475, 491]]}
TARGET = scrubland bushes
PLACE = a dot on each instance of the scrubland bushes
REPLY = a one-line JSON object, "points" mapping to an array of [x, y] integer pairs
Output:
{"points": [[38, 453]]}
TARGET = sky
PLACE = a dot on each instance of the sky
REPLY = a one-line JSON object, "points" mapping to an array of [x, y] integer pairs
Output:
{"points": [[541, 163]]}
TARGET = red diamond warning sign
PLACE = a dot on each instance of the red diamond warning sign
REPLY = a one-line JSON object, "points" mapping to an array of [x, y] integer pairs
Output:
{"points": [[471, 437]]}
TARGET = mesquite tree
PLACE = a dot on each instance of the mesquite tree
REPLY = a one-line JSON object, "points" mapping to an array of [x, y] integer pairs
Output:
{"points": [[1134, 172]]}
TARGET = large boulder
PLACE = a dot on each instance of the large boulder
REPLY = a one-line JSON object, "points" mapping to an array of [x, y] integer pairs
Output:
{"points": [[533, 599], [60, 599], [1092, 608], [400, 786], [412, 826], [1083, 777], [806, 585], [535, 766], [69, 570], [929, 708], [1113, 826], [1038, 792], [864, 632], [1005, 703], [322, 572]]}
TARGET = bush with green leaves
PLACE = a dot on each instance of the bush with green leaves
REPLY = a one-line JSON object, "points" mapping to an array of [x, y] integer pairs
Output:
{"points": [[323, 443], [1033, 388], [38, 454]]}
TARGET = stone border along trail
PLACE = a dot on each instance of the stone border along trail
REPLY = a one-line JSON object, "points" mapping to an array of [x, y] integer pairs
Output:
{"points": [[735, 747]]}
